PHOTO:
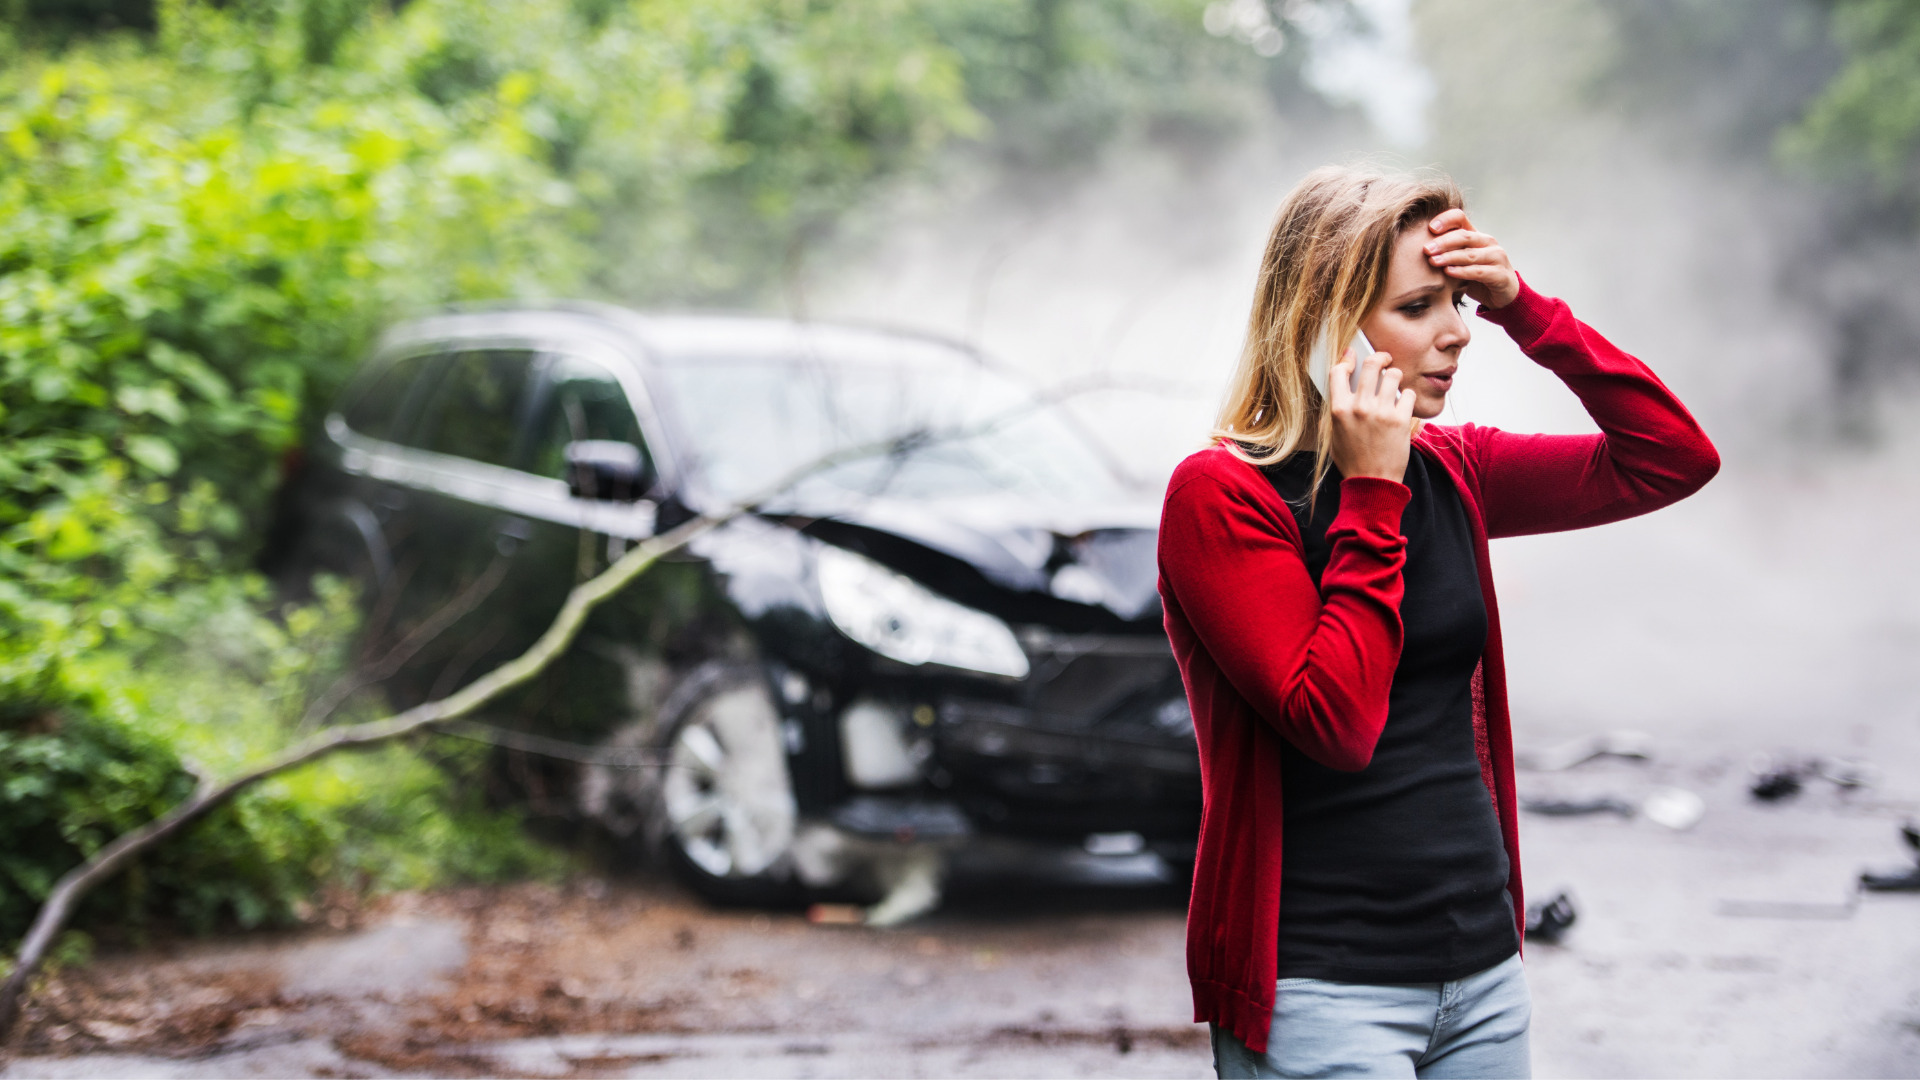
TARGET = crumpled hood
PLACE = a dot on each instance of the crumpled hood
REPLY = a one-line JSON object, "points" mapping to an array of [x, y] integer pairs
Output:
{"points": [[1101, 554]]}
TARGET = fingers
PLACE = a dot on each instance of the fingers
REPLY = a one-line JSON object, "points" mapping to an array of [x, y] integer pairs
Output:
{"points": [[1340, 383], [1468, 252], [1403, 407], [1450, 220], [1389, 392], [1485, 275], [1458, 238], [1371, 373]]}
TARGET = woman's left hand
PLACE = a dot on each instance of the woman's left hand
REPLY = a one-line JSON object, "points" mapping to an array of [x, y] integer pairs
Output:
{"points": [[1473, 257]]}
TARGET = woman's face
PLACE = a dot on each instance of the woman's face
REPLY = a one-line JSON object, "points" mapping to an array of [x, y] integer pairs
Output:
{"points": [[1419, 323]]}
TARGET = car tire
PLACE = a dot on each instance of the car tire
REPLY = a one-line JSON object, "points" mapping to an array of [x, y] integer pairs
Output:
{"points": [[724, 813]]}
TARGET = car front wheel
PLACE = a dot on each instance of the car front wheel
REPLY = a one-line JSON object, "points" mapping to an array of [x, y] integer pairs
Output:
{"points": [[726, 796]]}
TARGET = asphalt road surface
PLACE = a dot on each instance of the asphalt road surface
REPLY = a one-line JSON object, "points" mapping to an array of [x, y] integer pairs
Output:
{"points": [[1737, 947]]}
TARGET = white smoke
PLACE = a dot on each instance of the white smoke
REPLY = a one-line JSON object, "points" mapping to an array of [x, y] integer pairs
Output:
{"points": [[1776, 609]]}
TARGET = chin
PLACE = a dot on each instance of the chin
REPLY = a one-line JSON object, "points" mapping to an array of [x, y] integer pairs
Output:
{"points": [[1424, 409]]}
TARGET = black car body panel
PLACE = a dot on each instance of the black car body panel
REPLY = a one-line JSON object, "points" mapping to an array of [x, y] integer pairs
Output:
{"points": [[441, 483]]}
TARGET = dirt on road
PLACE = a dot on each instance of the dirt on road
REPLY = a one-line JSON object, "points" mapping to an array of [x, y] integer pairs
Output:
{"points": [[1735, 946], [597, 978]]}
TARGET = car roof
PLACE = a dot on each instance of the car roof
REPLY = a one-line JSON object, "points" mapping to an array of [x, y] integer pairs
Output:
{"points": [[667, 337]]}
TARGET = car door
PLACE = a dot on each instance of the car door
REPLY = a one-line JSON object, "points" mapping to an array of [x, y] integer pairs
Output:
{"points": [[462, 557], [361, 514], [581, 400]]}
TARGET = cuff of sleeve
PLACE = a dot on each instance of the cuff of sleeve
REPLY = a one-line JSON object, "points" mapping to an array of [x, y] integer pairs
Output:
{"points": [[1374, 499], [1526, 318]]}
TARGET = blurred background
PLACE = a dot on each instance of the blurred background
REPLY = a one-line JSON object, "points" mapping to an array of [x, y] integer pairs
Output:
{"points": [[209, 211]]}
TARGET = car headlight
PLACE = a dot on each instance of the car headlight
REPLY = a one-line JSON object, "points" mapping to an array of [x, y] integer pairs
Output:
{"points": [[901, 619]]}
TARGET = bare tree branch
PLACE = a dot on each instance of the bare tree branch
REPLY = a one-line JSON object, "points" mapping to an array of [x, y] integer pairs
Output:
{"points": [[436, 624], [122, 850], [617, 757]]}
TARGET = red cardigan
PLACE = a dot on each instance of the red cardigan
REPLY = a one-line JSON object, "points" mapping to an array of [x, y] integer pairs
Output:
{"points": [[1266, 656]]}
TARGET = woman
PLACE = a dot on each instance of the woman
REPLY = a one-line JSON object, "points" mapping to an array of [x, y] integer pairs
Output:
{"points": [[1356, 905]]}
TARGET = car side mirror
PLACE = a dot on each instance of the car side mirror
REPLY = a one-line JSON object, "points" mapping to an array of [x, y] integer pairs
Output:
{"points": [[606, 470]]}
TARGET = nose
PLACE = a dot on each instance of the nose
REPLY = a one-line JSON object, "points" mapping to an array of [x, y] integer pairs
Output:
{"points": [[1454, 332]]}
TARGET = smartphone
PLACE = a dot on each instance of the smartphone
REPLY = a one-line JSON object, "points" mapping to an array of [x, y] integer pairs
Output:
{"points": [[1321, 362]]}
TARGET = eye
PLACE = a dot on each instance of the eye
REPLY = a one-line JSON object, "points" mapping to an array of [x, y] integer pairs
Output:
{"points": [[1415, 309], [1459, 299]]}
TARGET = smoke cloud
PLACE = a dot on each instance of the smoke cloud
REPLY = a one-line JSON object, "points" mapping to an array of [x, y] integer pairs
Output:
{"points": [[1771, 611]]}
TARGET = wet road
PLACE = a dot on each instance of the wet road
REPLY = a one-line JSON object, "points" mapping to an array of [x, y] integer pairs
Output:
{"points": [[1735, 948]]}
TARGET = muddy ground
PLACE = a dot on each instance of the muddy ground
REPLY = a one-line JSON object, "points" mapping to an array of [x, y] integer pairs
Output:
{"points": [[1735, 948]]}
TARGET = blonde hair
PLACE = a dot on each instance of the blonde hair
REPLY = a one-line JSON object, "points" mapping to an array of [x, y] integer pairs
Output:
{"points": [[1325, 264]]}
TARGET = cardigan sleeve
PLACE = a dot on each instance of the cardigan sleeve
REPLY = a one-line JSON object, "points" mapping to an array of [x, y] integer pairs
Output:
{"points": [[1650, 451], [1316, 665]]}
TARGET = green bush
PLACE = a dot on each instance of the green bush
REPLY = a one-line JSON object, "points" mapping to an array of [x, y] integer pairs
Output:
{"points": [[199, 231], [204, 219], [134, 727]]}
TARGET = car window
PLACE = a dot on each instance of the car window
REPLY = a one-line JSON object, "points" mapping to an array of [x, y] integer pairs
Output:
{"points": [[580, 400], [752, 419], [373, 404], [475, 408]]}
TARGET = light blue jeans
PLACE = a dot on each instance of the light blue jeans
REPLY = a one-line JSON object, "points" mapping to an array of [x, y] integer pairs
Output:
{"points": [[1471, 1027]]}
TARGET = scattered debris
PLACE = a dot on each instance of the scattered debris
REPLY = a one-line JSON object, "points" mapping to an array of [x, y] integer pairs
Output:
{"points": [[1776, 779], [1676, 808], [1549, 920], [1907, 880], [1605, 804], [837, 914], [1776, 784], [1636, 745], [1903, 881], [912, 880], [1846, 775]]}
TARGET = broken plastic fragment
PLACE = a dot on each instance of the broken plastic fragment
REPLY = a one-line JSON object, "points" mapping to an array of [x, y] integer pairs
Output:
{"points": [[1676, 808], [1902, 881], [1780, 778], [1606, 804], [1899, 880], [1776, 784], [836, 914], [1548, 920], [1846, 774]]}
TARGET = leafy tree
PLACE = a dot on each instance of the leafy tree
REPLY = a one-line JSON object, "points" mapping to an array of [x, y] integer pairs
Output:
{"points": [[207, 207], [1868, 116]]}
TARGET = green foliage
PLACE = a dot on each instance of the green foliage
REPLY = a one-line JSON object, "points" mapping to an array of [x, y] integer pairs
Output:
{"points": [[1059, 80], [206, 214], [117, 753], [1868, 116]]}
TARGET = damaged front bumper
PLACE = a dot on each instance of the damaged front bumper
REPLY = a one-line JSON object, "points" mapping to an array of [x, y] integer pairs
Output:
{"points": [[1094, 747]]}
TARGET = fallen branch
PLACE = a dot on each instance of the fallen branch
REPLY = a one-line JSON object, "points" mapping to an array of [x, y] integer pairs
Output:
{"points": [[123, 849], [360, 676], [112, 858]]}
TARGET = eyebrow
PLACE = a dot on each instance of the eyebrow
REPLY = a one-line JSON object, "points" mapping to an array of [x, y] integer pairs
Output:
{"points": [[1423, 290]]}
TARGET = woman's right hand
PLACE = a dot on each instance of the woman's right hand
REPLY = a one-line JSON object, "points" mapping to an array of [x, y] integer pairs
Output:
{"points": [[1372, 426]]}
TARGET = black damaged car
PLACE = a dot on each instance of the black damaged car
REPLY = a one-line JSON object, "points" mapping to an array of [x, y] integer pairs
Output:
{"points": [[952, 643]]}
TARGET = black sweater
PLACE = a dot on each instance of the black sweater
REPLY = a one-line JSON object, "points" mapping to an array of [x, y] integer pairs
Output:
{"points": [[1396, 873]]}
